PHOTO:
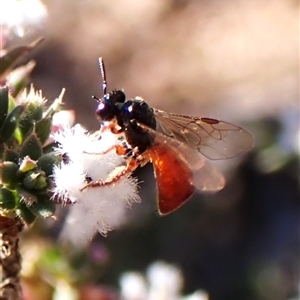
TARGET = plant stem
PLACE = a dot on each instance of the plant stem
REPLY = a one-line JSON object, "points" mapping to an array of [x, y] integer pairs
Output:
{"points": [[10, 258]]}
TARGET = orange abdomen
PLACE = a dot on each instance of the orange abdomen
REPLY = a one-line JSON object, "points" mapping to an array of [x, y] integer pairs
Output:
{"points": [[174, 177]]}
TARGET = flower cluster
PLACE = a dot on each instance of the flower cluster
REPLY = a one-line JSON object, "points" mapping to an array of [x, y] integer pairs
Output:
{"points": [[88, 158]]}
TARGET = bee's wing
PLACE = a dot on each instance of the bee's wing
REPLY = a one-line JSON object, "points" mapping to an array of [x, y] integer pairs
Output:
{"points": [[213, 138], [204, 176]]}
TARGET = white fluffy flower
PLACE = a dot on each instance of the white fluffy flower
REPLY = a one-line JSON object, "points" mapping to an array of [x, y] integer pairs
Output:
{"points": [[95, 208], [163, 281]]}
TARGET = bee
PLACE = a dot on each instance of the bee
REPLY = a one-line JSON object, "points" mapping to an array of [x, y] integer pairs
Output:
{"points": [[176, 145]]}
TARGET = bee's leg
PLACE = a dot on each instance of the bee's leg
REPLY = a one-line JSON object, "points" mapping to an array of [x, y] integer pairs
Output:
{"points": [[103, 152], [121, 149], [132, 164]]}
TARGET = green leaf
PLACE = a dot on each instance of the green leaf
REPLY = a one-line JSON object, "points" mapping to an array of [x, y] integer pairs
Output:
{"points": [[25, 127], [18, 135], [9, 59], [11, 103], [8, 174], [43, 129], [35, 180], [44, 207], [11, 155], [19, 77], [49, 147], [25, 213], [47, 161], [35, 110], [3, 104], [27, 197], [55, 106], [10, 123], [7, 199], [31, 147]]}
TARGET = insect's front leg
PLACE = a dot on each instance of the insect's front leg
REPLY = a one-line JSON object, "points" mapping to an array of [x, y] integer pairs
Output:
{"points": [[132, 164], [121, 148], [103, 152]]}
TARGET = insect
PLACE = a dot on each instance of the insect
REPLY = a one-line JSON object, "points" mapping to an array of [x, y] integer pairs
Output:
{"points": [[176, 145]]}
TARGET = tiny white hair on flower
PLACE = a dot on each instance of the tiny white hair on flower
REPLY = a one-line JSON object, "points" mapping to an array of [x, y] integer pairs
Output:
{"points": [[32, 96], [100, 208]]}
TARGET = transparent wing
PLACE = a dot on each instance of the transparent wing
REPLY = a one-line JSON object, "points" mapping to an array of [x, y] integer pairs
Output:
{"points": [[205, 176], [212, 138]]}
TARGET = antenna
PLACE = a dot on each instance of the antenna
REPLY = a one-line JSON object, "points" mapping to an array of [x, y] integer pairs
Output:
{"points": [[103, 74], [96, 98]]}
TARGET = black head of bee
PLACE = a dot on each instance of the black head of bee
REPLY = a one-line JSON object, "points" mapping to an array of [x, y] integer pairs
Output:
{"points": [[108, 107]]}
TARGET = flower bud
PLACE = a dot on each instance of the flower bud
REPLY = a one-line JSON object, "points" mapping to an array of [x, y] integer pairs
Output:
{"points": [[27, 165], [47, 161]]}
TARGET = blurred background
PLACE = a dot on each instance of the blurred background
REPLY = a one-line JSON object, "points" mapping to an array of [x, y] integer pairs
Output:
{"points": [[233, 60]]}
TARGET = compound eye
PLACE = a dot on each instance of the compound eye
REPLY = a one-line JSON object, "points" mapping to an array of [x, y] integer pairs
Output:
{"points": [[105, 111]]}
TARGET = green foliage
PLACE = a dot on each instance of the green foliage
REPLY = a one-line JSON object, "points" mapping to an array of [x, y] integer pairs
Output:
{"points": [[25, 128], [47, 161], [10, 58], [10, 123], [31, 147], [9, 174], [25, 213], [43, 207], [3, 104], [7, 199], [43, 129]]}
